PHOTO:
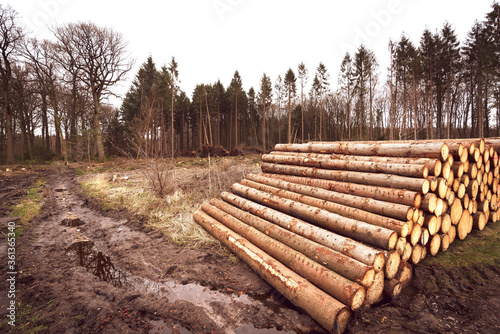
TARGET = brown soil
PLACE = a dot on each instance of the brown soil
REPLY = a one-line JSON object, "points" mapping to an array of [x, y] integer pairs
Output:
{"points": [[154, 286]]}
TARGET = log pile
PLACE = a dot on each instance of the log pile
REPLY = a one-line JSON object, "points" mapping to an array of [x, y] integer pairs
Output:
{"points": [[343, 222]]}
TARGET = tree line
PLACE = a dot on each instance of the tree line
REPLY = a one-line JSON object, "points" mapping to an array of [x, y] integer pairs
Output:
{"points": [[53, 96]]}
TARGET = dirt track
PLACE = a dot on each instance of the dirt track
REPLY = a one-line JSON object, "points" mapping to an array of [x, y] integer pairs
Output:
{"points": [[157, 287]]}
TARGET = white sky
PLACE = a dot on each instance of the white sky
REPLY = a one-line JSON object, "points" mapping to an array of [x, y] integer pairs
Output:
{"points": [[210, 39]]}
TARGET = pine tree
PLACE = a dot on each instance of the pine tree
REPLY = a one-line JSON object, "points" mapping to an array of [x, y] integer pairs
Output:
{"points": [[290, 89]]}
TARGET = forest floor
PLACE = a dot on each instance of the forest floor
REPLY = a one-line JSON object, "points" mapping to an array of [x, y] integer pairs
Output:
{"points": [[90, 261]]}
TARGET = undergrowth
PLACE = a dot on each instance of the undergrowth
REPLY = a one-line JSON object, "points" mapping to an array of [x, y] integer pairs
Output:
{"points": [[167, 194]]}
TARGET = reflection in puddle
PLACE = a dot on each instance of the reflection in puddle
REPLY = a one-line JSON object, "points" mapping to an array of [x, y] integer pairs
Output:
{"points": [[101, 266], [96, 262]]}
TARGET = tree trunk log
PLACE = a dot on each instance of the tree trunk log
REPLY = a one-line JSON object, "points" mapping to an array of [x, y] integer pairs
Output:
{"points": [[373, 179], [340, 263], [330, 313], [395, 149], [433, 165], [420, 171], [393, 195], [360, 208], [352, 248], [337, 286], [358, 230]]}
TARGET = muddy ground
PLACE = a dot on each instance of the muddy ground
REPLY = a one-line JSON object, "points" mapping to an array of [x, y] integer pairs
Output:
{"points": [[82, 270]]}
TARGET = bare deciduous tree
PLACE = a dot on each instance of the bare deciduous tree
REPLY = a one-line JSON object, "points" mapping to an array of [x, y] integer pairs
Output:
{"points": [[11, 36], [99, 54]]}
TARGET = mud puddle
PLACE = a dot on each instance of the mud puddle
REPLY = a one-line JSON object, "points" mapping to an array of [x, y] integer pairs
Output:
{"points": [[84, 254]]}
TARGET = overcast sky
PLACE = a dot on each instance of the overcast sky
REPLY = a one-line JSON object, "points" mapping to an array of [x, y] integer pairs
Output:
{"points": [[210, 39]]}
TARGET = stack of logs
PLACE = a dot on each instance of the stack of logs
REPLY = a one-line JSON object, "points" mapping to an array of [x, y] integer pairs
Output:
{"points": [[335, 225]]}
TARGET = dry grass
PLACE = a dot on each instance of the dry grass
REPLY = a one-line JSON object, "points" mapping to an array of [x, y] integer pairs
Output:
{"points": [[167, 194]]}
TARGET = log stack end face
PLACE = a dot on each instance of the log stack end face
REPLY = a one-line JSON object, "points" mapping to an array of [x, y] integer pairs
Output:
{"points": [[372, 206]]}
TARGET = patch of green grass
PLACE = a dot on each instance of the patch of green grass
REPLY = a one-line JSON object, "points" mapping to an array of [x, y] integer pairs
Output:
{"points": [[27, 321], [29, 206], [480, 248]]}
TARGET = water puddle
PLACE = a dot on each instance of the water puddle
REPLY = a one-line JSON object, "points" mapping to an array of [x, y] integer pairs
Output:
{"points": [[101, 266], [95, 262]]}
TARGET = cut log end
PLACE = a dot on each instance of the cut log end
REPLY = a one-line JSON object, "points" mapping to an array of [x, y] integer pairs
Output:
{"points": [[434, 245], [358, 299], [445, 242], [425, 186], [392, 264], [407, 252], [392, 288], [463, 225], [374, 292], [367, 279], [379, 262], [342, 320]]}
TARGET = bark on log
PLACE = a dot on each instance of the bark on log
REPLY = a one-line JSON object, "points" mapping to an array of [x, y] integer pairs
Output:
{"points": [[327, 311], [373, 179], [358, 230], [434, 166], [344, 290], [340, 263], [393, 195], [360, 208], [352, 248], [417, 149]]}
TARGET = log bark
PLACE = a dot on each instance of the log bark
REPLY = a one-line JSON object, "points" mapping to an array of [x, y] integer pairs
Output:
{"points": [[360, 208], [437, 150], [373, 179], [393, 195], [352, 164], [344, 290], [340, 263], [327, 311], [358, 230], [434, 165], [352, 248]]}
